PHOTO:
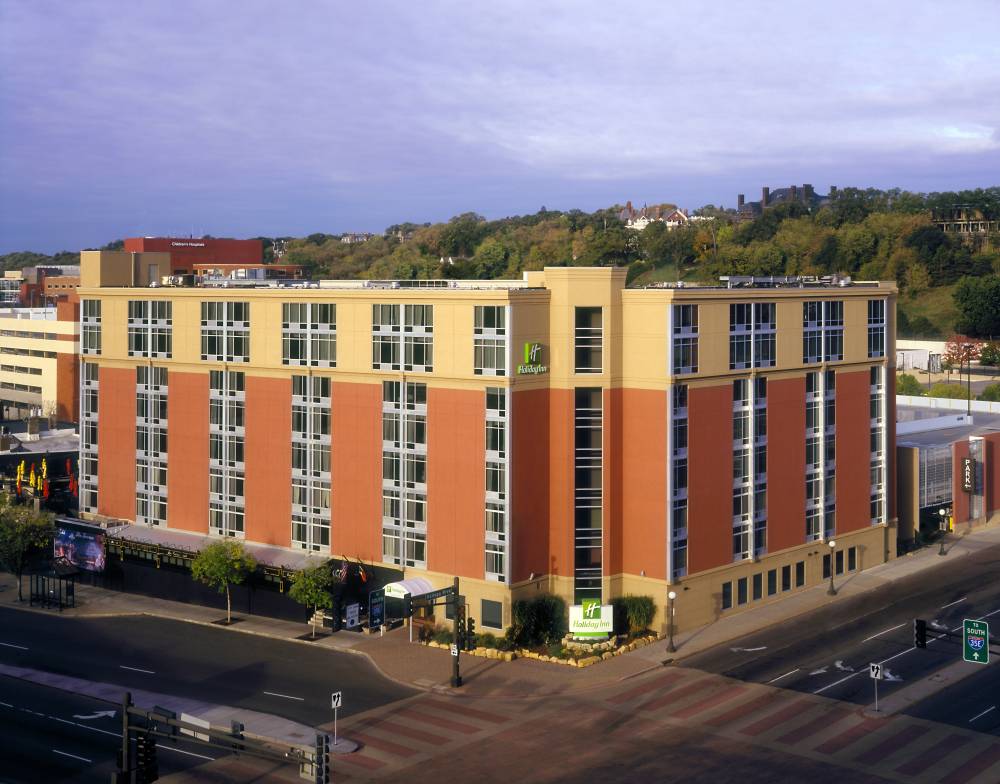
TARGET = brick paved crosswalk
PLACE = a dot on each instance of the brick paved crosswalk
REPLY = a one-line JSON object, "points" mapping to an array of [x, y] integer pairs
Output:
{"points": [[894, 748]]}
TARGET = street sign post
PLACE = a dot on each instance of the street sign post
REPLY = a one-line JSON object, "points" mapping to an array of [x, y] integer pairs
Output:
{"points": [[975, 641], [353, 615], [876, 674], [336, 700]]}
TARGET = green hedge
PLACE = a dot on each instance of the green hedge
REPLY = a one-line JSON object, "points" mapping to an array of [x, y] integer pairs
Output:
{"points": [[537, 621]]}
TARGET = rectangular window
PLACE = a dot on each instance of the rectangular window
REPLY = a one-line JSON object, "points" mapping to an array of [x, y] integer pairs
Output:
{"points": [[758, 586], [800, 574], [588, 340], [826, 566], [492, 614], [786, 578], [309, 334], [741, 591], [90, 327], [840, 561], [225, 331], [772, 582], [685, 339], [876, 328], [727, 596]]}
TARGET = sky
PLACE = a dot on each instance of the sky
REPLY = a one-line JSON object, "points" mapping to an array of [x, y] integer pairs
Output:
{"points": [[261, 118]]}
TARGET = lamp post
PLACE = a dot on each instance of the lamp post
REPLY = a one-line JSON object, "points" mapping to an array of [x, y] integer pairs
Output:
{"points": [[671, 595], [968, 376], [831, 591], [943, 528]]}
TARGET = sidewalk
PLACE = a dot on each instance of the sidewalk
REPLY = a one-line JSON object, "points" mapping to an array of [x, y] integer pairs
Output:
{"points": [[429, 669]]}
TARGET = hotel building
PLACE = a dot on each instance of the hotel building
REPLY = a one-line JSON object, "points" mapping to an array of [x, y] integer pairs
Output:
{"points": [[561, 433]]}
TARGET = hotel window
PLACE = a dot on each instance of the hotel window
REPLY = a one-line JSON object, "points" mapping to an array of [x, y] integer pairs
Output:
{"points": [[764, 325], [878, 466], [226, 452], [685, 339], [90, 328], [679, 479], [490, 340], [876, 328], [404, 473], [812, 332], [150, 328], [88, 436], [225, 331], [833, 331], [311, 478], [588, 492], [151, 444], [497, 483], [418, 338], [588, 342], [385, 337], [309, 334]]}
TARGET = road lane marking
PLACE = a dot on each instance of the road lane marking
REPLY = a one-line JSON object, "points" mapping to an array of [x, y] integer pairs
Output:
{"points": [[66, 754], [137, 669], [785, 675], [181, 751], [286, 696], [11, 645], [6, 704], [980, 715], [952, 604], [886, 631], [85, 726], [853, 674]]}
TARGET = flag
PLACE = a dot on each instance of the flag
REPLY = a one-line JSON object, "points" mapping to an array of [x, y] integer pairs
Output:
{"points": [[342, 573], [45, 489], [69, 466], [31, 477], [45, 469], [19, 485], [362, 573]]}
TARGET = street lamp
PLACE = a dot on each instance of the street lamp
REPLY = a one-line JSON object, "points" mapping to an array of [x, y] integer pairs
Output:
{"points": [[943, 527], [831, 591], [967, 352], [670, 621]]}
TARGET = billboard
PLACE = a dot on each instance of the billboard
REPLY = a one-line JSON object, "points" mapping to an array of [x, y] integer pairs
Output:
{"points": [[82, 548]]}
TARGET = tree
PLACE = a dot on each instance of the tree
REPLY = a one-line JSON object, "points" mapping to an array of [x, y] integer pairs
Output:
{"points": [[991, 393], [990, 354], [960, 349], [22, 531], [221, 565], [978, 302], [908, 385], [311, 587]]}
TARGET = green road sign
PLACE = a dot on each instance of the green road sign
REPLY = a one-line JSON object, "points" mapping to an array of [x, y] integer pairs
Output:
{"points": [[976, 641]]}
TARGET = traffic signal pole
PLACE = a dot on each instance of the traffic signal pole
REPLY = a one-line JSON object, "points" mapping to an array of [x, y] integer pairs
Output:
{"points": [[126, 762], [456, 676]]}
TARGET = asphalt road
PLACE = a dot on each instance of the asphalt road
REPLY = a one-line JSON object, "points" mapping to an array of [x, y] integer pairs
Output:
{"points": [[220, 666], [829, 651], [53, 736]]}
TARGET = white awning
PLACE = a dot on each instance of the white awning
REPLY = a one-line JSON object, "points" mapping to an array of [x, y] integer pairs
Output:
{"points": [[415, 586]]}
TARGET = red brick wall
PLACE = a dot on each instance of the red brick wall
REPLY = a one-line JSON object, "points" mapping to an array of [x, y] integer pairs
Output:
{"points": [[116, 442], [710, 482], [853, 451], [268, 454], [644, 482], [456, 481], [529, 508], [786, 463]]}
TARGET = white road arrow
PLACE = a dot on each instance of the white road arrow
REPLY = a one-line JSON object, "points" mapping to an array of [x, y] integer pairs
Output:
{"points": [[939, 625], [97, 715], [890, 677], [839, 664], [820, 671], [749, 650]]}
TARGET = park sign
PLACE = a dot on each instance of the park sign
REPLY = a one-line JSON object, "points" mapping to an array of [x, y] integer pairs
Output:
{"points": [[591, 619], [968, 474], [976, 641], [532, 364]]}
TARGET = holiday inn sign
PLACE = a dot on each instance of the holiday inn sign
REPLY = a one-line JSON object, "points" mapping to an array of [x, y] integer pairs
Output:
{"points": [[532, 360], [591, 619]]}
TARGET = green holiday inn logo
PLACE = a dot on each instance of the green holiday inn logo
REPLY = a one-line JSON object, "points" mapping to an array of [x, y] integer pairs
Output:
{"points": [[591, 609], [532, 364]]}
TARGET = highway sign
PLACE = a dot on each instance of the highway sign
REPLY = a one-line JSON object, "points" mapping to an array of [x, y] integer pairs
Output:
{"points": [[875, 671], [336, 699], [975, 641]]}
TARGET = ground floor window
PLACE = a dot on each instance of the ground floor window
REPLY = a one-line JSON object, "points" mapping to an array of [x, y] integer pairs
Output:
{"points": [[751, 589], [492, 614]]}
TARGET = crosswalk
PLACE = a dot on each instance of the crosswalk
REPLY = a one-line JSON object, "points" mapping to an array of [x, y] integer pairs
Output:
{"points": [[895, 748]]}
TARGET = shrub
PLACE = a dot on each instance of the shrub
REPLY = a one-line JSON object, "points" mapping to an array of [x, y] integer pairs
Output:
{"points": [[555, 649], [991, 393], [633, 614], [486, 640], [539, 620], [990, 354], [953, 391], [443, 635], [908, 385]]}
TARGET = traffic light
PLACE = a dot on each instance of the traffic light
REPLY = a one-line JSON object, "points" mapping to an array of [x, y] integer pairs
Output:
{"points": [[407, 606], [470, 634], [919, 633], [460, 621], [237, 732], [321, 762], [146, 768]]}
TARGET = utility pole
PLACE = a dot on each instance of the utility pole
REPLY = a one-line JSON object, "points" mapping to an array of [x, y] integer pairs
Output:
{"points": [[125, 766]]}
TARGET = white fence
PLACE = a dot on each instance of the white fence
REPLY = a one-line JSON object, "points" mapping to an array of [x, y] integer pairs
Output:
{"points": [[948, 404]]}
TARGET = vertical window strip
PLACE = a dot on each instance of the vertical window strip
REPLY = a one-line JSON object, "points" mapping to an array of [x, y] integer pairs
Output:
{"points": [[497, 485], [227, 498], [404, 473], [311, 460]]}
